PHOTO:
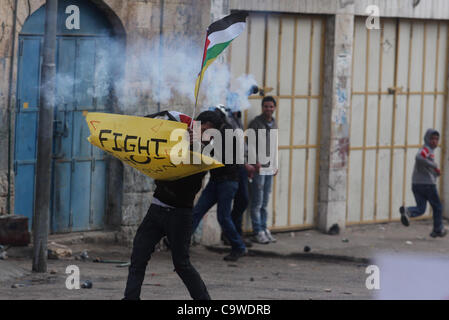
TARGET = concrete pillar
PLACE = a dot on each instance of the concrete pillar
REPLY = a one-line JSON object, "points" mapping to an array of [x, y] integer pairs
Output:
{"points": [[334, 149], [210, 231]]}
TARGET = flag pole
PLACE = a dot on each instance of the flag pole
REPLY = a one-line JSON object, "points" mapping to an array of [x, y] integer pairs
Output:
{"points": [[196, 99], [199, 84]]}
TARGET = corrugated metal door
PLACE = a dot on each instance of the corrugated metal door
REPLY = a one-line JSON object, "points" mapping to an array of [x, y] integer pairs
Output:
{"points": [[285, 53], [399, 91], [79, 170]]}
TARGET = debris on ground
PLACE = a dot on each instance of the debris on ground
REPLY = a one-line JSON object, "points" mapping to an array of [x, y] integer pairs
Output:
{"points": [[87, 284], [292, 234], [3, 255], [123, 265], [17, 285], [409, 243], [307, 249], [58, 251], [328, 290], [345, 240], [251, 279], [84, 255], [153, 284], [100, 260], [334, 230]]}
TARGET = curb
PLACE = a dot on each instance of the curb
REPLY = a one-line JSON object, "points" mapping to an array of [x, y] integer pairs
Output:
{"points": [[300, 256]]}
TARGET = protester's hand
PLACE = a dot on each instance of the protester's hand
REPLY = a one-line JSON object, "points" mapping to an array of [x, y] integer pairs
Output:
{"points": [[251, 170], [257, 167], [438, 171], [276, 172]]}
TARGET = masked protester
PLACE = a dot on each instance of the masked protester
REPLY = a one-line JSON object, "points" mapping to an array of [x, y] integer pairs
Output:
{"points": [[170, 215]]}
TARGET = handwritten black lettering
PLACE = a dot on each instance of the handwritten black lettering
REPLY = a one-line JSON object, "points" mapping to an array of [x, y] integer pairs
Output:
{"points": [[147, 161], [147, 147], [116, 148], [157, 144], [133, 146], [101, 136]]}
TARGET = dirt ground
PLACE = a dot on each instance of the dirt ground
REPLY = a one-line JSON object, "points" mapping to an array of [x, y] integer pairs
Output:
{"points": [[251, 278]]}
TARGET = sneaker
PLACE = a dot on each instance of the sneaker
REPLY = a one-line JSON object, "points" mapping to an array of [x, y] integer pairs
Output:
{"points": [[261, 238], [440, 234], [269, 236], [405, 218], [235, 255]]}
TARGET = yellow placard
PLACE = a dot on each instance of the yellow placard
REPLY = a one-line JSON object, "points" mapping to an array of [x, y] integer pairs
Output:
{"points": [[144, 143]]}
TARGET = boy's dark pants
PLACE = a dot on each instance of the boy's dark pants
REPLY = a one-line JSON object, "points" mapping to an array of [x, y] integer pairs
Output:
{"points": [[424, 193], [176, 224]]}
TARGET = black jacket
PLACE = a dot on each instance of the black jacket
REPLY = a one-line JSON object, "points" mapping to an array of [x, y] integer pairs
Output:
{"points": [[179, 193], [230, 172]]}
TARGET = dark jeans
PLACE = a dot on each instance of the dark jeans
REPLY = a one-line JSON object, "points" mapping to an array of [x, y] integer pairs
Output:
{"points": [[222, 193], [176, 224], [424, 193], [241, 200]]}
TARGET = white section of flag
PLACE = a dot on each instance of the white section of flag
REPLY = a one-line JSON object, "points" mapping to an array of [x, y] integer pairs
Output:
{"points": [[226, 35]]}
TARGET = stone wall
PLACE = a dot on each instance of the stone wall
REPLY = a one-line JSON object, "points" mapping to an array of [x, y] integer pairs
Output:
{"points": [[137, 24]]}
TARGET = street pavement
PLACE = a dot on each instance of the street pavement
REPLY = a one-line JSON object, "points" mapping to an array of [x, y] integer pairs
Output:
{"points": [[335, 267], [362, 243]]}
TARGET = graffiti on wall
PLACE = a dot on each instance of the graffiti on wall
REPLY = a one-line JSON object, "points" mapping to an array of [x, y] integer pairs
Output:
{"points": [[340, 142]]}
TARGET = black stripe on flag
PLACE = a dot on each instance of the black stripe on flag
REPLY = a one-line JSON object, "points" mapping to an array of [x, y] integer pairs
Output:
{"points": [[227, 21]]}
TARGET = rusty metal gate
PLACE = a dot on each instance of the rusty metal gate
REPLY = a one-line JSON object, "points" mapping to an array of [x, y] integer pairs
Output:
{"points": [[285, 52], [399, 91]]}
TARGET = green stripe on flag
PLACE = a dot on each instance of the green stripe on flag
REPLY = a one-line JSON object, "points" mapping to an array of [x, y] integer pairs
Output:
{"points": [[215, 51]]}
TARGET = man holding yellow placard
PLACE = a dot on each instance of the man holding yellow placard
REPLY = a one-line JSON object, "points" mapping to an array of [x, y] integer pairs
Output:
{"points": [[170, 215]]}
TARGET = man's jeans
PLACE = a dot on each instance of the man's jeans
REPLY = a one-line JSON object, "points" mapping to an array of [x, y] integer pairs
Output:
{"points": [[424, 193], [260, 195], [222, 193], [241, 200], [176, 224]]}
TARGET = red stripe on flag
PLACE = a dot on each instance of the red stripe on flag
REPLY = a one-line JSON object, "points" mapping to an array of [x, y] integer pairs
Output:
{"points": [[185, 119], [205, 52]]}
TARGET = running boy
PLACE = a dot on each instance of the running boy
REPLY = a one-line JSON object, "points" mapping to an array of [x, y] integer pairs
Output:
{"points": [[424, 188]]}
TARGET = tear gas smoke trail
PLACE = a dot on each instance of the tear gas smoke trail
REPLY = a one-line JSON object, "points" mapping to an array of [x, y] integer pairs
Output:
{"points": [[143, 75]]}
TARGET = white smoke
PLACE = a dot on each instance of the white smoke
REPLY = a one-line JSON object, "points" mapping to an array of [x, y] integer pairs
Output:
{"points": [[160, 75]]}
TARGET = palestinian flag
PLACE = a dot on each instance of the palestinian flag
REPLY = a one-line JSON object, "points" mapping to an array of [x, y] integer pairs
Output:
{"points": [[219, 36]]}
